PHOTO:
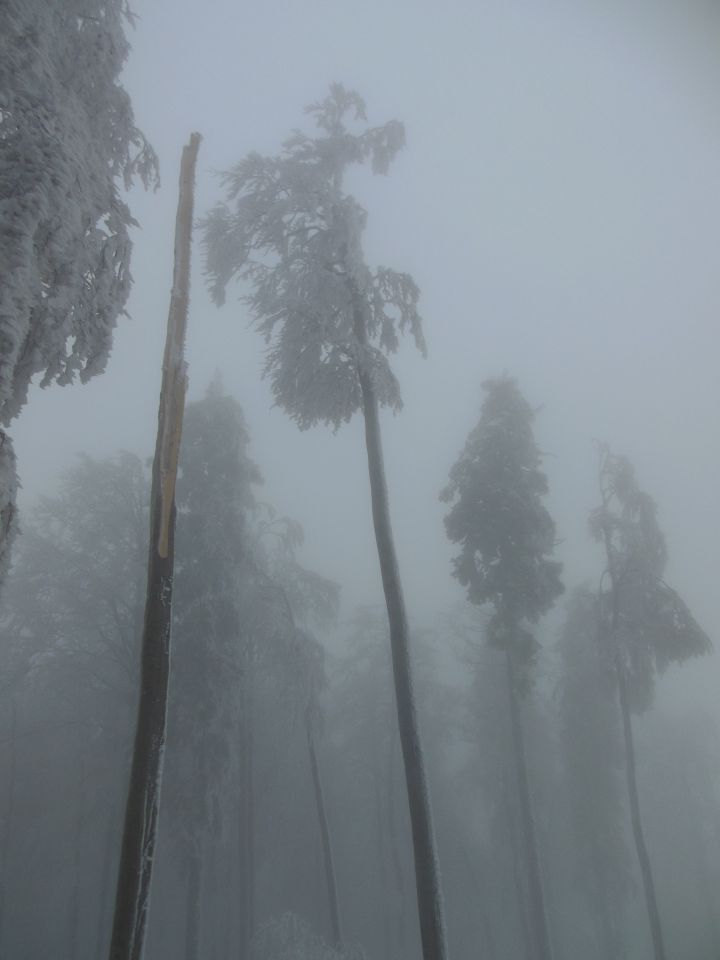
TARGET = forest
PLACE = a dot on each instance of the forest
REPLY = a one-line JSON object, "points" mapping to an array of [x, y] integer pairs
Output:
{"points": [[358, 591]]}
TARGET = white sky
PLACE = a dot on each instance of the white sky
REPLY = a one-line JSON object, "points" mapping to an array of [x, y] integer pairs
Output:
{"points": [[559, 205]]}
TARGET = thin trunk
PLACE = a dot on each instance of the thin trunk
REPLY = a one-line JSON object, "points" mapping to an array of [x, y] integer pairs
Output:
{"points": [[541, 933], [192, 908], [330, 880], [395, 852], [382, 860], [140, 828], [637, 828], [520, 896], [427, 873], [630, 769], [8, 826], [77, 864]]}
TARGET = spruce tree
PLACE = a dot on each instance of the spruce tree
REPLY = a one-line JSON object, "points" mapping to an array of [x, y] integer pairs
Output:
{"points": [[645, 625], [506, 538]]}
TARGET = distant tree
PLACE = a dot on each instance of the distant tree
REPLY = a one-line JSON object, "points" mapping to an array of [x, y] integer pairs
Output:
{"points": [[645, 625], [506, 537], [71, 623], [591, 744], [67, 142], [215, 499], [296, 237]]}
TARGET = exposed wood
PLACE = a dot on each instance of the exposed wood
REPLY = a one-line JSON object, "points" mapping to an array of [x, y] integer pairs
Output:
{"points": [[140, 828]]}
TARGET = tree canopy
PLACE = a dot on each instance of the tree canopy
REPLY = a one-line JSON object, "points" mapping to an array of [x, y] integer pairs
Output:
{"points": [[295, 236]]}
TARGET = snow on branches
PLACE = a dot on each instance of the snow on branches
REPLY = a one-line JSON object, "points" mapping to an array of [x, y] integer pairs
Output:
{"points": [[292, 233]]}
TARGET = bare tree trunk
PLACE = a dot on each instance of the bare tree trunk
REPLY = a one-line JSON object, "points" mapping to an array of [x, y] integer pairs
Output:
{"points": [[74, 931], [330, 880], [389, 951], [8, 509], [541, 932], [140, 829], [637, 828], [395, 852], [630, 769], [427, 872], [192, 908], [511, 841]]}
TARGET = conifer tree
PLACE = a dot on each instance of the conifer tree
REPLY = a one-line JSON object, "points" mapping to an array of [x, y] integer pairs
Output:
{"points": [[591, 742], [506, 538], [645, 625]]}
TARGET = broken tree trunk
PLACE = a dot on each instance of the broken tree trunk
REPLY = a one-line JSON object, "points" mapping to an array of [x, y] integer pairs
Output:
{"points": [[139, 833]]}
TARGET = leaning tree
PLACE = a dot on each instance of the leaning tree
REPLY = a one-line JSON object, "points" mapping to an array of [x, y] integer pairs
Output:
{"points": [[295, 236], [645, 626], [68, 141], [506, 537]]}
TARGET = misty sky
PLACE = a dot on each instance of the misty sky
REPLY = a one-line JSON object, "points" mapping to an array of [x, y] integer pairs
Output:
{"points": [[558, 204]]}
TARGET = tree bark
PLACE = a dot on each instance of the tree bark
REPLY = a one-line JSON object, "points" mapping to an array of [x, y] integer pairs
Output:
{"points": [[74, 931], [637, 828], [541, 932], [427, 873], [140, 828], [330, 879], [395, 851]]}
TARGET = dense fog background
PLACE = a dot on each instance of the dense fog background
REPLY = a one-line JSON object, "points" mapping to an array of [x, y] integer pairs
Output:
{"points": [[558, 204]]}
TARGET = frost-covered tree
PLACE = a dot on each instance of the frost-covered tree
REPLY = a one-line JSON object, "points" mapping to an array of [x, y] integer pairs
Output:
{"points": [[68, 142], [295, 236], [70, 633], [506, 537], [215, 500], [645, 625]]}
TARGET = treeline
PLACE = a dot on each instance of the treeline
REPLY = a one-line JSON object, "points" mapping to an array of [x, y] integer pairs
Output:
{"points": [[270, 737]]}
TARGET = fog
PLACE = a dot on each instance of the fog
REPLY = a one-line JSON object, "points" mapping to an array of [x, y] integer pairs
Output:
{"points": [[557, 203]]}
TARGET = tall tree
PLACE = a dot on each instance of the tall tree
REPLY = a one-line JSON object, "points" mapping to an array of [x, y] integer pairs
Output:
{"points": [[645, 625], [71, 624], [591, 743], [215, 496], [132, 897], [68, 141], [296, 236], [506, 537]]}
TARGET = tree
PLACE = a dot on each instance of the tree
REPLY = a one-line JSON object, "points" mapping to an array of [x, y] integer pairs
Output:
{"points": [[645, 625], [330, 323], [215, 498], [593, 759], [67, 141], [506, 537], [132, 898], [71, 625]]}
